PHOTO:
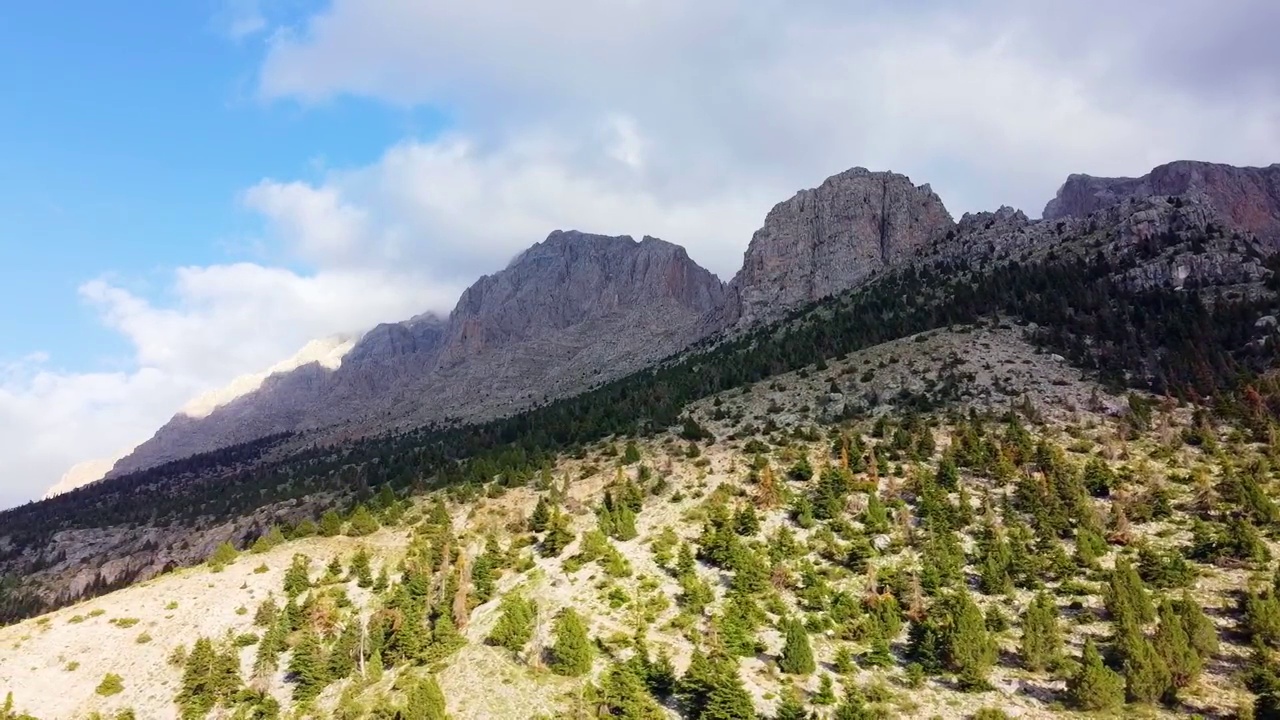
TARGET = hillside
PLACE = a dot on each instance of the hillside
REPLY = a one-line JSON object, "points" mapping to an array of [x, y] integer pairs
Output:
{"points": [[875, 500]]}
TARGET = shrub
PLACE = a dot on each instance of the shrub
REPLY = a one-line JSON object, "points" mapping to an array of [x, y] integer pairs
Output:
{"points": [[112, 684], [126, 622], [143, 639]]}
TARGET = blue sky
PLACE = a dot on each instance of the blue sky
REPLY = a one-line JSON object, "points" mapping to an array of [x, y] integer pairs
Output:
{"points": [[193, 191], [128, 131]]}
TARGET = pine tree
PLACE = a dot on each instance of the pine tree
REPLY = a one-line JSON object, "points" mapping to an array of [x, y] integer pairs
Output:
{"points": [[1126, 597], [342, 659], [661, 675], [200, 692], [1174, 647], [425, 701], [558, 536], [796, 657], [362, 568], [789, 706], [297, 578], [1041, 634], [694, 687], [1147, 678], [330, 523], [745, 521], [622, 694], [1201, 632], [362, 522], [308, 668], [854, 706], [624, 523], [728, 699], [1094, 686], [572, 653], [826, 694], [541, 515], [971, 652], [515, 626]]}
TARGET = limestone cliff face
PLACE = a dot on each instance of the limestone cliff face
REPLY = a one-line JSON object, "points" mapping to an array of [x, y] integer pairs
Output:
{"points": [[827, 240], [569, 312], [1247, 199], [576, 310]]}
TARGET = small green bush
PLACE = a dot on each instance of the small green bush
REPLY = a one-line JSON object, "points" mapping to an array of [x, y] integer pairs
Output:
{"points": [[143, 639], [126, 622], [112, 684]]}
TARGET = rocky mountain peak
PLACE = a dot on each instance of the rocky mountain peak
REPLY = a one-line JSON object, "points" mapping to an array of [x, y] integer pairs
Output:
{"points": [[828, 239], [1247, 199], [572, 277]]}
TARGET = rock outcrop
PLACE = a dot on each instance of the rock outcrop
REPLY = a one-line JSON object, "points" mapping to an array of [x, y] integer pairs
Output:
{"points": [[826, 240], [570, 312], [577, 310], [1247, 199]]}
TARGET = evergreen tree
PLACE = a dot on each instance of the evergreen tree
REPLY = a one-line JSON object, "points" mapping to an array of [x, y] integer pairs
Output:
{"points": [[558, 536], [661, 675], [1125, 597], [1146, 676], [875, 517], [362, 522], [970, 650], [308, 668], [200, 691], [425, 701], [624, 523], [796, 657], [622, 694], [541, 515], [361, 568], [297, 578], [572, 652], [343, 657], [330, 523], [790, 706], [728, 699], [1094, 686], [826, 694], [515, 626], [1041, 634], [745, 521], [1174, 647], [854, 706], [1201, 632]]}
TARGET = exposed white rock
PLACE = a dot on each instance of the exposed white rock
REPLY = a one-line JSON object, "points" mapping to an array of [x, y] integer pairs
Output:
{"points": [[327, 352]]}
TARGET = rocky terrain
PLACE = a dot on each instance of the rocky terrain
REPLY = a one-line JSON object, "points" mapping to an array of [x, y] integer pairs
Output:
{"points": [[789, 435], [579, 310], [1246, 198]]}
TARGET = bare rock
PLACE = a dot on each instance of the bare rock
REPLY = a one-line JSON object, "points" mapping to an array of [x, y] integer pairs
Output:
{"points": [[827, 240], [1247, 199]]}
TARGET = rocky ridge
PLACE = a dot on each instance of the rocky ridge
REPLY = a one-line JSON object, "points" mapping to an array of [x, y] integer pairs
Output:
{"points": [[1247, 199], [577, 309], [569, 312]]}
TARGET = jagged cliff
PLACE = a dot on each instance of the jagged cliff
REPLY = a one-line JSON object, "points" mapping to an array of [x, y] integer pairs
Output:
{"points": [[571, 311], [1247, 199], [577, 309], [828, 239]]}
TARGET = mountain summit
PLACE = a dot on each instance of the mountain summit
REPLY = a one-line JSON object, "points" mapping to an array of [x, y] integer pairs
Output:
{"points": [[569, 312]]}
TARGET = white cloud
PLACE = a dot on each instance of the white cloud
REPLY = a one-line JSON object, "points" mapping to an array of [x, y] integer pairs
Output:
{"points": [[685, 120], [983, 99], [240, 19]]}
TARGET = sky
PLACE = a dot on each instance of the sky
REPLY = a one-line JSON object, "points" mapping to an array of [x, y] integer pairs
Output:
{"points": [[192, 191]]}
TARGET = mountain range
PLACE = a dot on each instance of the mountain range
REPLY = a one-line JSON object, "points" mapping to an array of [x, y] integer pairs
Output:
{"points": [[577, 310]]}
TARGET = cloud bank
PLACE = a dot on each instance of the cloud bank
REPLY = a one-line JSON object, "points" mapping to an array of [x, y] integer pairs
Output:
{"points": [[684, 120]]}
